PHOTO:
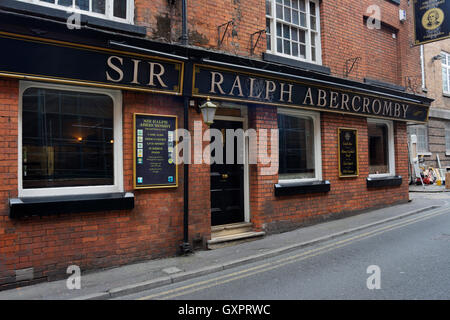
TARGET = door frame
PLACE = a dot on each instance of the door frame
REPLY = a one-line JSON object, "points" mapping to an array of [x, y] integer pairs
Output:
{"points": [[244, 120]]}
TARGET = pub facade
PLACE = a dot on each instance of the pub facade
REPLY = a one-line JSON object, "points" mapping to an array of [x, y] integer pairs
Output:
{"points": [[93, 97]]}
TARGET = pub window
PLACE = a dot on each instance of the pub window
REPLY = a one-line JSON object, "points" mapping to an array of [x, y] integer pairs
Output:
{"points": [[381, 148], [70, 141], [421, 133], [117, 10], [445, 72], [299, 145], [292, 29]]}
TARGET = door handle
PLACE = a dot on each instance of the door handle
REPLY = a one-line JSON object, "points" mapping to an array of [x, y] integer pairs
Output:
{"points": [[224, 176]]}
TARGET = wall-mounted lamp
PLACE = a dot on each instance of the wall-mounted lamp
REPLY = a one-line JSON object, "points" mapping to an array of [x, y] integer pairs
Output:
{"points": [[208, 110]]}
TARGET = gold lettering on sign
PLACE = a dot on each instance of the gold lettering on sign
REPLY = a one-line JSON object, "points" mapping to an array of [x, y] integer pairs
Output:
{"points": [[215, 83], [236, 84], [308, 96], [115, 68], [322, 99], [289, 92], [154, 75]]}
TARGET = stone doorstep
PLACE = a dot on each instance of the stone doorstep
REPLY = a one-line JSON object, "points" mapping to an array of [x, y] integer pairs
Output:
{"points": [[230, 229], [227, 240]]}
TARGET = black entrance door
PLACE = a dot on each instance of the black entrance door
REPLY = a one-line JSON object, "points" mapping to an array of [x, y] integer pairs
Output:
{"points": [[227, 182]]}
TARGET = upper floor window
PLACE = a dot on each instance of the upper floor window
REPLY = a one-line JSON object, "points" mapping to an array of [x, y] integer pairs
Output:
{"points": [[116, 10], [293, 29], [446, 72]]}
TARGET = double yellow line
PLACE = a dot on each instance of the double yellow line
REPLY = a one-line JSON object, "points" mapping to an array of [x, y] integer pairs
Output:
{"points": [[201, 285]]}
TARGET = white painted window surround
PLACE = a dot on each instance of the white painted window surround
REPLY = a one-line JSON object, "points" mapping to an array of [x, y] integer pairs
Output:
{"points": [[317, 149], [117, 152], [391, 148], [114, 10]]}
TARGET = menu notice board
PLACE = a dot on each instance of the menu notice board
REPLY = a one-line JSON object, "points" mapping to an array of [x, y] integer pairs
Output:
{"points": [[348, 152], [154, 151]]}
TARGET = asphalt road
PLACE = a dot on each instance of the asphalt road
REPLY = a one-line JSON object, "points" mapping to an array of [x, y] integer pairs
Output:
{"points": [[412, 254]]}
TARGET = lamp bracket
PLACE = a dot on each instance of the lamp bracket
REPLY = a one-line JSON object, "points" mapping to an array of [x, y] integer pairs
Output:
{"points": [[220, 36]]}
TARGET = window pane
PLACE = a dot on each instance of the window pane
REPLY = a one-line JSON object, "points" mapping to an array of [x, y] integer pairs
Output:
{"points": [[295, 17], [296, 143], [120, 8], [279, 29], [294, 49], [287, 14], [302, 36], [287, 47], [66, 3], [295, 4], [313, 54], [286, 32], [303, 19], [302, 5], [48, 1], [98, 6], [279, 11], [447, 138], [268, 34], [313, 23], [67, 139], [303, 51], [312, 8], [287, 3], [279, 45], [269, 7], [82, 4], [294, 34], [378, 148]]}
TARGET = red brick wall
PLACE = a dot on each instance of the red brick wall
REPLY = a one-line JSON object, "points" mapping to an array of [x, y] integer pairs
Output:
{"points": [[153, 229], [273, 214], [344, 33]]}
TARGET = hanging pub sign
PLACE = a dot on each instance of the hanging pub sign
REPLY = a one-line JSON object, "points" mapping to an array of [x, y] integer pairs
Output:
{"points": [[431, 20], [154, 151], [226, 84], [348, 152], [33, 58]]}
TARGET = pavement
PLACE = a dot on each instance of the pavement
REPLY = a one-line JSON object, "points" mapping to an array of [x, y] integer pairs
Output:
{"points": [[428, 188], [134, 278]]}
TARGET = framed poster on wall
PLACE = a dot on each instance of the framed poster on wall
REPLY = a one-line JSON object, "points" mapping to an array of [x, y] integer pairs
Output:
{"points": [[154, 151], [348, 152]]}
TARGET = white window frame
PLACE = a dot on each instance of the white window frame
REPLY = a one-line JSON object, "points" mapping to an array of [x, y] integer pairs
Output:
{"points": [[317, 143], [445, 62], [391, 147], [273, 39], [425, 152], [116, 96], [109, 10]]}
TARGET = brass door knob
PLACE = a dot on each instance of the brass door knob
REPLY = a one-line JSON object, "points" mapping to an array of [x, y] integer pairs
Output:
{"points": [[224, 176]]}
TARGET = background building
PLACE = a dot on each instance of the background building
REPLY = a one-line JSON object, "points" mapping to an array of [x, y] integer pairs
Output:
{"points": [[434, 137]]}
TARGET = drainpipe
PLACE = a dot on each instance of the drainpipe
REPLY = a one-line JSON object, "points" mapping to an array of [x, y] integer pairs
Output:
{"points": [[185, 246], [422, 67], [184, 27]]}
